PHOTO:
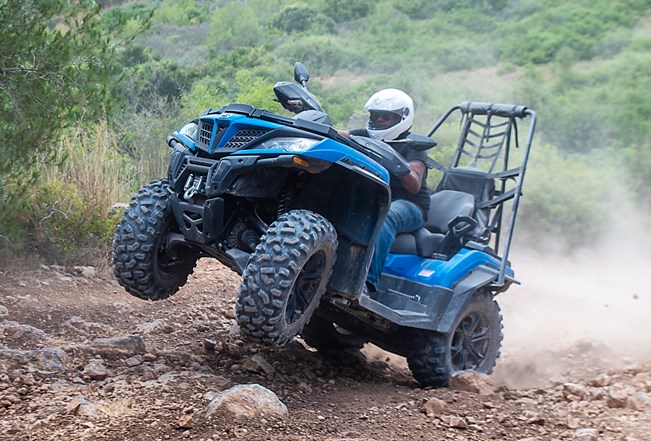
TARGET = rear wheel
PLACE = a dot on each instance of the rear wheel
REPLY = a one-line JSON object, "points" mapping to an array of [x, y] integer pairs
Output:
{"points": [[142, 263], [473, 344], [286, 277]]}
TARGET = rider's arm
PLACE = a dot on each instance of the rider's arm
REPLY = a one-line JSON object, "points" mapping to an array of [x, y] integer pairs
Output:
{"points": [[413, 180]]}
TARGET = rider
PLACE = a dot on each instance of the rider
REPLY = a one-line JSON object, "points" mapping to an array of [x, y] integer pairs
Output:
{"points": [[391, 115]]}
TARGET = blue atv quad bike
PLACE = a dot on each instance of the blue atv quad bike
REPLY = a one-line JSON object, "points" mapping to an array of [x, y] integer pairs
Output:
{"points": [[295, 208]]}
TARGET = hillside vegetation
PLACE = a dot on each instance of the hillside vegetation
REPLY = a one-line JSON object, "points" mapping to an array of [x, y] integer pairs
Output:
{"points": [[88, 92]]}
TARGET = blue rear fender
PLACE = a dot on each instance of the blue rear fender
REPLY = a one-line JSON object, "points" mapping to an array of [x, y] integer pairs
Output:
{"points": [[433, 272]]}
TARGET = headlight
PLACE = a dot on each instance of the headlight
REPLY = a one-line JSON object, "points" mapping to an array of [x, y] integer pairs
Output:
{"points": [[288, 144], [189, 130]]}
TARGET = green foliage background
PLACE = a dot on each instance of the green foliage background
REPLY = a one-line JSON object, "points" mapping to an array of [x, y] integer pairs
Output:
{"points": [[127, 73]]}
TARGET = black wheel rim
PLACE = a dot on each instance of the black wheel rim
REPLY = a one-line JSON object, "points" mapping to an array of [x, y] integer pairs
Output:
{"points": [[470, 342], [305, 287]]}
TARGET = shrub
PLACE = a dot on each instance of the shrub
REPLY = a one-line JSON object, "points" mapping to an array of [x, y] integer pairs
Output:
{"points": [[141, 137], [63, 227], [346, 10], [181, 12], [301, 17]]}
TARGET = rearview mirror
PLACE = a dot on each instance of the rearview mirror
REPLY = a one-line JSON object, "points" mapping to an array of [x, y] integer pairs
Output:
{"points": [[301, 75]]}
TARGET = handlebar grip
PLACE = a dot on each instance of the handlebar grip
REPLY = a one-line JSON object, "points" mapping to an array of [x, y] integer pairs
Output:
{"points": [[505, 110]]}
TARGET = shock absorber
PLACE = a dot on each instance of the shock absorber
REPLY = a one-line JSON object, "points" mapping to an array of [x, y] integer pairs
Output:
{"points": [[286, 199]]}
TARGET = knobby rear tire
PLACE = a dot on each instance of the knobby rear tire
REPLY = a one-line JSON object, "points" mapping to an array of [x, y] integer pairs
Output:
{"points": [[286, 277], [473, 344]]}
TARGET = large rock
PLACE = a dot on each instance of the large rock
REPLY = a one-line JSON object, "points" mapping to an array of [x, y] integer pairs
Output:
{"points": [[617, 397], [125, 345], [19, 336], [81, 407], [434, 406], [41, 362], [81, 326], [258, 364], [245, 401], [156, 325], [574, 392], [471, 381], [95, 370], [640, 401]]}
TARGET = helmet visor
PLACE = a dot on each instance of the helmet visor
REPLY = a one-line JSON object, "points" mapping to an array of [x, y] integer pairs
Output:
{"points": [[382, 119]]}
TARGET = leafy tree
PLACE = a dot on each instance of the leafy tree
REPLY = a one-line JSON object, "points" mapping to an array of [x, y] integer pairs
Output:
{"points": [[156, 78], [55, 65], [346, 10], [301, 17]]}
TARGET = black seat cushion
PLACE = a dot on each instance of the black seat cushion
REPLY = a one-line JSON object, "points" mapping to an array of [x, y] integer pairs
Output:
{"points": [[479, 184], [445, 205]]}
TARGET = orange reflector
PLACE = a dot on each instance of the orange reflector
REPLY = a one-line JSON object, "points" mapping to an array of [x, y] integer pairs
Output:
{"points": [[301, 162]]}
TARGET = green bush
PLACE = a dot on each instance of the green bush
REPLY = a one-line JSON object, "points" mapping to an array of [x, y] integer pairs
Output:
{"points": [[55, 222], [181, 12], [346, 10], [206, 94], [301, 17], [66, 215], [63, 227], [156, 79]]}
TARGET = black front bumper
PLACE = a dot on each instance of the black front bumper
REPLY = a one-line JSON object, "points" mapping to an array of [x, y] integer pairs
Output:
{"points": [[203, 217]]}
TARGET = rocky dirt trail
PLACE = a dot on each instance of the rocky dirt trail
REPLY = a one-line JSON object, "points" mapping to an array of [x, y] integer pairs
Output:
{"points": [[81, 359]]}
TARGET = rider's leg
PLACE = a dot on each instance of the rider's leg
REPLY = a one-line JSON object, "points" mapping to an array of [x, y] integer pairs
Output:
{"points": [[403, 217]]}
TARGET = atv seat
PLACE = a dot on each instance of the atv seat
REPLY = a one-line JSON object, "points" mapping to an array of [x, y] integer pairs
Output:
{"points": [[481, 186], [448, 220]]}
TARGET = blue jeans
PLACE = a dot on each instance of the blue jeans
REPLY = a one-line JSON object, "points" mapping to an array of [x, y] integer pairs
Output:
{"points": [[403, 217]]}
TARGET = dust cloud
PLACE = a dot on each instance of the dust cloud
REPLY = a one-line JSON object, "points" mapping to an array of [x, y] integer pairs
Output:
{"points": [[588, 310]]}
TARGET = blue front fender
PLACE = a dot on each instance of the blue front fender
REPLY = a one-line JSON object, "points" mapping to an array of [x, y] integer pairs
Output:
{"points": [[331, 151]]}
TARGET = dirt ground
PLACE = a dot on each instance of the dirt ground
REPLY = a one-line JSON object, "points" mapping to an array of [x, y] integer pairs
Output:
{"points": [[556, 379]]}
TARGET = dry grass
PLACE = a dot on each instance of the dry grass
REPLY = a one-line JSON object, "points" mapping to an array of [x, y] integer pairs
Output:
{"points": [[90, 160]]}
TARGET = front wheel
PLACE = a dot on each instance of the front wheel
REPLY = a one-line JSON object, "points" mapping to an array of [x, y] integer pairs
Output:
{"points": [[142, 264], [286, 277], [473, 344]]}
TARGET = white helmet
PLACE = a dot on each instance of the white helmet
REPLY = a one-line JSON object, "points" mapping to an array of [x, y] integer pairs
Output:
{"points": [[391, 113]]}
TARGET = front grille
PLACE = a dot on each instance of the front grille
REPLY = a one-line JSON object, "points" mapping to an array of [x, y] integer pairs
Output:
{"points": [[243, 137], [205, 131]]}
